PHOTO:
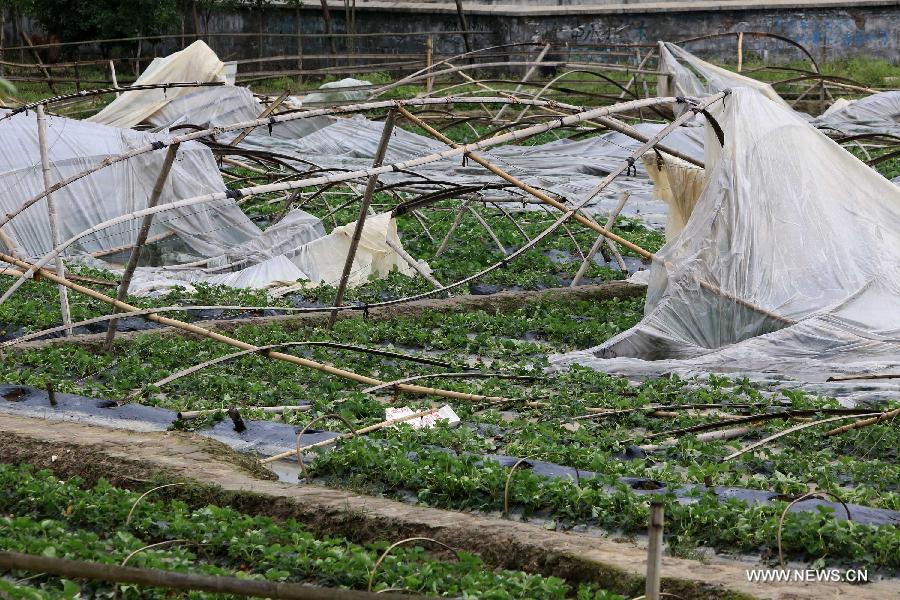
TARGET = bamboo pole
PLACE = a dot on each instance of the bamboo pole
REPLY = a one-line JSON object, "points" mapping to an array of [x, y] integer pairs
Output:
{"points": [[265, 113], [525, 79], [203, 332], [490, 231], [53, 216], [77, 569], [235, 355], [412, 262], [112, 76], [640, 67], [599, 242], [793, 429], [344, 436], [457, 219], [864, 423], [378, 160], [139, 243]]}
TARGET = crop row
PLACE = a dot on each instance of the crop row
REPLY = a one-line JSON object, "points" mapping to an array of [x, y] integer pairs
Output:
{"points": [[43, 515]]}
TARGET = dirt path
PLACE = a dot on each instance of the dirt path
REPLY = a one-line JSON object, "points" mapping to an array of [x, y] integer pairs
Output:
{"points": [[129, 459], [507, 300]]}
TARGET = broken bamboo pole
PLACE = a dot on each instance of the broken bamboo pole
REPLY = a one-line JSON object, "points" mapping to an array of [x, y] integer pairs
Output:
{"points": [[599, 242], [380, 153], [53, 215], [525, 79], [343, 436], [265, 113], [793, 429], [139, 243], [207, 333], [412, 262], [457, 219], [892, 414]]}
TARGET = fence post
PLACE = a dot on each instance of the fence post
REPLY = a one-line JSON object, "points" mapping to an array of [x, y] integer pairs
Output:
{"points": [[429, 61], [654, 550]]}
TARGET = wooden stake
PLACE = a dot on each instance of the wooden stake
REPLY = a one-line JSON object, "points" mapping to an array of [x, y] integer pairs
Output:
{"points": [[380, 153], [429, 59], [740, 51], [654, 550], [139, 243], [53, 216]]}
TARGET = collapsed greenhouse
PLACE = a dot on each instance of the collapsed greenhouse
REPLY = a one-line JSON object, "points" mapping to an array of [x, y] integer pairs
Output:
{"points": [[462, 306]]}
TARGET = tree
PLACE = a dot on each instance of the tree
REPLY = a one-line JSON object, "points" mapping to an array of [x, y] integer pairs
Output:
{"points": [[80, 20]]}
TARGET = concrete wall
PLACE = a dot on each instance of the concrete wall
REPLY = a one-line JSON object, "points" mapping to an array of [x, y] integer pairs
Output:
{"points": [[865, 29], [829, 29]]}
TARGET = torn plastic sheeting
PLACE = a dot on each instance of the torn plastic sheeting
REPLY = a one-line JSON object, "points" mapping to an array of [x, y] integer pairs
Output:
{"points": [[209, 107], [878, 113], [782, 230], [688, 75], [334, 91], [123, 187], [679, 184], [197, 62]]}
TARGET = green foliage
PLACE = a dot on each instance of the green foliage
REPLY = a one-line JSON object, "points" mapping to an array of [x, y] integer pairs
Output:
{"points": [[78, 20], [65, 520]]}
